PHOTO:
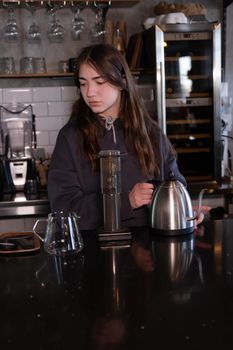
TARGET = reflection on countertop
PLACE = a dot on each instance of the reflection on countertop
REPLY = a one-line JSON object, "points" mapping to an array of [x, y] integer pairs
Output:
{"points": [[150, 292]]}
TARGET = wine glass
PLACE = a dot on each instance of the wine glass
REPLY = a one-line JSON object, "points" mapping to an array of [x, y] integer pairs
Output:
{"points": [[78, 23], [11, 30], [56, 31], [98, 32], [33, 33]]}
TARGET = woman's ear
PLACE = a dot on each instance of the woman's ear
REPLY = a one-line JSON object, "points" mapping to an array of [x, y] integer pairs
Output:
{"points": [[125, 84]]}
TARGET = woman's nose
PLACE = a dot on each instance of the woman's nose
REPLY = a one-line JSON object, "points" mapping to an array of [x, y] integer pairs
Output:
{"points": [[91, 91]]}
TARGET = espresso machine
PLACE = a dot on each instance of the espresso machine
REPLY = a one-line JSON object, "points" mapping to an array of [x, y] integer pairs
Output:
{"points": [[17, 139]]}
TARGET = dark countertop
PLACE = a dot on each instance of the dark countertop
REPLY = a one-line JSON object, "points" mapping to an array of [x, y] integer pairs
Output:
{"points": [[20, 204], [148, 293]]}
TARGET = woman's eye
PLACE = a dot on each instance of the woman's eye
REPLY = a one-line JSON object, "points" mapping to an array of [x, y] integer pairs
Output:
{"points": [[100, 82]]}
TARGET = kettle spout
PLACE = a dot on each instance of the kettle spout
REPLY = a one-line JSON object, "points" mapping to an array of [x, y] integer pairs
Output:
{"points": [[198, 212]]}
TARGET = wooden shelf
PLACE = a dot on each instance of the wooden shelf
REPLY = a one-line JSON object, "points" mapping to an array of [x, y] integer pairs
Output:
{"points": [[192, 150], [189, 95], [187, 137], [44, 75], [68, 3], [194, 58], [198, 178], [188, 122], [191, 77]]}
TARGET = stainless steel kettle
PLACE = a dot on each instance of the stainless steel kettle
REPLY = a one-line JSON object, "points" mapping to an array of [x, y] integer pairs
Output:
{"points": [[171, 211]]}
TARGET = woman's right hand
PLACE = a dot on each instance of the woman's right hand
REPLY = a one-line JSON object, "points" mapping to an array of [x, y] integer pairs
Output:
{"points": [[141, 194]]}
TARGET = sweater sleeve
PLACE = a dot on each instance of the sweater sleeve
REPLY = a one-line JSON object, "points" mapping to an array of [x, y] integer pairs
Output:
{"points": [[65, 188]]}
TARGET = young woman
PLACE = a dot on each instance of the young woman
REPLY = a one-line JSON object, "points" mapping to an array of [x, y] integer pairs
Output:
{"points": [[109, 114]]}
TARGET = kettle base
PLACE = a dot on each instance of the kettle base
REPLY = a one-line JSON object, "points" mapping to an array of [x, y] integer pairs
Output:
{"points": [[177, 232]]}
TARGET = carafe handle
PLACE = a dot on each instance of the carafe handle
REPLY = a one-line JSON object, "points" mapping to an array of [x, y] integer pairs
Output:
{"points": [[34, 228]]}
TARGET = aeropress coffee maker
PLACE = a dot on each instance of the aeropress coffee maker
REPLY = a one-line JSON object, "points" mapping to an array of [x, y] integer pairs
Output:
{"points": [[17, 137], [110, 174]]}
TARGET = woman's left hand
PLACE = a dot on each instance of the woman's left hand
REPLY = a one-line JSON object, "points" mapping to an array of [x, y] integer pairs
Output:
{"points": [[141, 194]]}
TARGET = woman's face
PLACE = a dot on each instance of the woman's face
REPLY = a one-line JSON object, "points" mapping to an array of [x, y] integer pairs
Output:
{"points": [[102, 97]]}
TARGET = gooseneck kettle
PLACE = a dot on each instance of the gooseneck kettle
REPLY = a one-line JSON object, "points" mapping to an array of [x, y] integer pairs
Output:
{"points": [[171, 211]]}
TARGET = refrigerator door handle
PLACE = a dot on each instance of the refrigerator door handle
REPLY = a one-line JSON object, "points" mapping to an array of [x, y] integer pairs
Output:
{"points": [[163, 99]]}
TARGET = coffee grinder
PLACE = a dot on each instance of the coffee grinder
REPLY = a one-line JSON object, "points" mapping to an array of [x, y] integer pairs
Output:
{"points": [[17, 137]]}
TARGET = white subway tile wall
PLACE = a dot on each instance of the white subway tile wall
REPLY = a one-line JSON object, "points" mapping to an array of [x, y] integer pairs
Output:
{"points": [[40, 109], [51, 106], [69, 93], [59, 108], [17, 95], [41, 94]]}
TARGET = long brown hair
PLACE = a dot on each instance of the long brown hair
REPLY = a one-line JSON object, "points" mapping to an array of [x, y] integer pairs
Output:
{"points": [[137, 123]]}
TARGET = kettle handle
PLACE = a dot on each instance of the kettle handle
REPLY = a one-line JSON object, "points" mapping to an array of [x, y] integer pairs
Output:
{"points": [[34, 228], [189, 218]]}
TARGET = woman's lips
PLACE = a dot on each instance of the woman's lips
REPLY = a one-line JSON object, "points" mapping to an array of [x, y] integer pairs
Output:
{"points": [[94, 104]]}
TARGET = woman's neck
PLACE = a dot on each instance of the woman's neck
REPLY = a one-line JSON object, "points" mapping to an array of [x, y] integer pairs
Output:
{"points": [[108, 117]]}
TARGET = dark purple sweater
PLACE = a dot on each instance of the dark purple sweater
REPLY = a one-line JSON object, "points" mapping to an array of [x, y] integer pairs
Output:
{"points": [[73, 186]]}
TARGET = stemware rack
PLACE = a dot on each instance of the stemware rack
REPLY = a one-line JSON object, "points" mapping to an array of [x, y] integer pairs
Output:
{"points": [[18, 4]]}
